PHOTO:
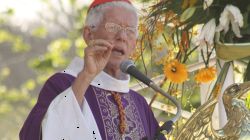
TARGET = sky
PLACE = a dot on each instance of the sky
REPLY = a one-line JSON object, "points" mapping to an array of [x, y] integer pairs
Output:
{"points": [[26, 10]]}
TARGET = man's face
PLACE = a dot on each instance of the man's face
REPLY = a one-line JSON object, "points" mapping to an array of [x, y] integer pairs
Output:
{"points": [[117, 28]]}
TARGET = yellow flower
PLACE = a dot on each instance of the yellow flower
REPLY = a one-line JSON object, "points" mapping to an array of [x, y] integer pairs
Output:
{"points": [[175, 71], [206, 75]]}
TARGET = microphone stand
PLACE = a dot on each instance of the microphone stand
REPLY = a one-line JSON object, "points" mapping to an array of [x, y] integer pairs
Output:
{"points": [[129, 68], [167, 126]]}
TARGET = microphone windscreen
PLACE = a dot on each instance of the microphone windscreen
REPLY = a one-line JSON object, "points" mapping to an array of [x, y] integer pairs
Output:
{"points": [[128, 67], [125, 65]]}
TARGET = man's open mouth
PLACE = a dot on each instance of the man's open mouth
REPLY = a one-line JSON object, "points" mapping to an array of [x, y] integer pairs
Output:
{"points": [[117, 51]]}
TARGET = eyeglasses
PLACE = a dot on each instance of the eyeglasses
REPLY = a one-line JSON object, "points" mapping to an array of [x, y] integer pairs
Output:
{"points": [[115, 28]]}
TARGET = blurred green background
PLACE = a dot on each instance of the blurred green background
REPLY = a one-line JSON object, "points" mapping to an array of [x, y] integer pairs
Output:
{"points": [[39, 38]]}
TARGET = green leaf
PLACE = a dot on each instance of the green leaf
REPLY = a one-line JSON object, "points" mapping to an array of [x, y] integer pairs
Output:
{"points": [[72, 2], [5, 108], [42, 64], [247, 101], [5, 36], [60, 45], [187, 14], [30, 84], [2, 20], [3, 90], [10, 12], [4, 72], [40, 32], [80, 45], [236, 69], [247, 74], [20, 46]]}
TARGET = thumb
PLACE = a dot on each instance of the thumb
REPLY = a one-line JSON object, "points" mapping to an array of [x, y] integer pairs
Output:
{"points": [[108, 52]]}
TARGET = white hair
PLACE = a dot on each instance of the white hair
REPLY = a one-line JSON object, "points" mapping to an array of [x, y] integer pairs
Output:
{"points": [[95, 15]]}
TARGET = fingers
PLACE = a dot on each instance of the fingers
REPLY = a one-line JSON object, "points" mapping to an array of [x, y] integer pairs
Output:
{"points": [[100, 42], [96, 49], [99, 47]]}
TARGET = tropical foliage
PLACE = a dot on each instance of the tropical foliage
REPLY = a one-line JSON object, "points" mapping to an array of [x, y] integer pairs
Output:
{"points": [[179, 33]]}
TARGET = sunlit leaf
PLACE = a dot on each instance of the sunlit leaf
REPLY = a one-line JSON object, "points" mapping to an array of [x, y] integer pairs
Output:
{"points": [[80, 45], [2, 20], [54, 58], [72, 2], [10, 12], [40, 32], [187, 14], [43, 77], [20, 46], [33, 102], [236, 69], [5, 108], [5, 72], [247, 74], [41, 64], [30, 84], [60, 45], [5, 36], [3, 89], [13, 96], [247, 102]]}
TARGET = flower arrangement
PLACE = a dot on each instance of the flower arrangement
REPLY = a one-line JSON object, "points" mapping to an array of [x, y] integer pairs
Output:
{"points": [[176, 31], [188, 26]]}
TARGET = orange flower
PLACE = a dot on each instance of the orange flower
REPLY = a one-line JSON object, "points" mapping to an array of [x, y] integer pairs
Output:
{"points": [[175, 71], [217, 91], [206, 75]]}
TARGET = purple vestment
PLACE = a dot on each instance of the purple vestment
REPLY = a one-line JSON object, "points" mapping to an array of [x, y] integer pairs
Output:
{"points": [[140, 120]]}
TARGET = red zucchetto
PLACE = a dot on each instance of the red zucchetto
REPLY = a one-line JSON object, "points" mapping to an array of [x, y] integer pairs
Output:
{"points": [[98, 2]]}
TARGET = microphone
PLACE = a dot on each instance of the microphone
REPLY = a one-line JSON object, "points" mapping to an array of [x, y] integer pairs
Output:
{"points": [[128, 67]]}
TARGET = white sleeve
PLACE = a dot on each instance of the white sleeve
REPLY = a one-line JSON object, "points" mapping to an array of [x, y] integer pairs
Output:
{"points": [[64, 119]]}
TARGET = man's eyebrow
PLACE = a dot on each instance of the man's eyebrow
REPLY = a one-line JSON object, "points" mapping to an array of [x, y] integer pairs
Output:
{"points": [[126, 25], [133, 26]]}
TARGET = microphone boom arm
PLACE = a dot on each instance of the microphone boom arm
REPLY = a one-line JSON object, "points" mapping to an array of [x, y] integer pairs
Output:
{"points": [[129, 68], [162, 92]]}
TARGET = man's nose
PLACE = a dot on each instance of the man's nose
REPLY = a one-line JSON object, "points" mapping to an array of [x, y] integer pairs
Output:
{"points": [[122, 35]]}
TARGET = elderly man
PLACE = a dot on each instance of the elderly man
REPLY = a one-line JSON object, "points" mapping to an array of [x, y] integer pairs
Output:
{"points": [[91, 99]]}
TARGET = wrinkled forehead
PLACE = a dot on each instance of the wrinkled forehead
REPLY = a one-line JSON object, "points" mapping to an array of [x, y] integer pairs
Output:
{"points": [[120, 15]]}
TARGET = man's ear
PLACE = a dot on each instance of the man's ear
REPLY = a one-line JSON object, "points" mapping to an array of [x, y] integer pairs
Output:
{"points": [[87, 34]]}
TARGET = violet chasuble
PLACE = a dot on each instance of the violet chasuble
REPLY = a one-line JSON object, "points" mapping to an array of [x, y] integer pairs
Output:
{"points": [[58, 116]]}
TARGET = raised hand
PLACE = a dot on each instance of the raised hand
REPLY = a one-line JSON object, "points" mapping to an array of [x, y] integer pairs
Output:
{"points": [[95, 59], [96, 56]]}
